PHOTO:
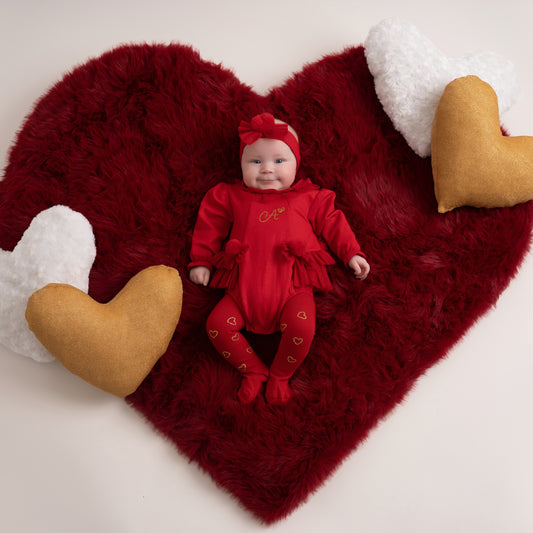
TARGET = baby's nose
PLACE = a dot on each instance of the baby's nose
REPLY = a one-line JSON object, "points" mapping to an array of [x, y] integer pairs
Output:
{"points": [[266, 166]]}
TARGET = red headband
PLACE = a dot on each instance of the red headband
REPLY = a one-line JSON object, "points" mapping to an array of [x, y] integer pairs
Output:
{"points": [[264, 125]]}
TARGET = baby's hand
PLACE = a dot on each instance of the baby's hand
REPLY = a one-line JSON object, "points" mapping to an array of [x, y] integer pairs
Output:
{"points": [[360, 266], [200, 275]]}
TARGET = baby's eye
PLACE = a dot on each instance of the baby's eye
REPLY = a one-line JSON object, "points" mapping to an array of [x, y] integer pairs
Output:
{"points": [[279, 160], [256, 161]]}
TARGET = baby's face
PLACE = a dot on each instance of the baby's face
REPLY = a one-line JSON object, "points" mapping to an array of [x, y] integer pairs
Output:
{"points": [[268, 164]]}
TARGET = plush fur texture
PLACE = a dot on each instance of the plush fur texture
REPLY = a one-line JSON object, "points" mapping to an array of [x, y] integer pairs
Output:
{"points": [[57, 247], [411, 73], [135, 138]]}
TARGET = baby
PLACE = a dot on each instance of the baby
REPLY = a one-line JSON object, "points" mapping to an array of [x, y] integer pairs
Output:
{"points": [[260, 239]]}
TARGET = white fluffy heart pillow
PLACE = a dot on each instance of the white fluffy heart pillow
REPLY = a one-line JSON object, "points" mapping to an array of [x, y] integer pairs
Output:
{"points": [[410, 74], [57, 247]]}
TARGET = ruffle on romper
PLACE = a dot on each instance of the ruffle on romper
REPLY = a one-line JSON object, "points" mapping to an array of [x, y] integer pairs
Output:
{"points": [[309, 268], [227, 263]]}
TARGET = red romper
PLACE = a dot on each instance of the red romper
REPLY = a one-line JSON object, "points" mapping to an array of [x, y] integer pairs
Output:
{"points": [[266, 247]]}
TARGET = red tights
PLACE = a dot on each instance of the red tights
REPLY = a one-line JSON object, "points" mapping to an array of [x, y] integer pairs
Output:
{"points": [[297, 325]]}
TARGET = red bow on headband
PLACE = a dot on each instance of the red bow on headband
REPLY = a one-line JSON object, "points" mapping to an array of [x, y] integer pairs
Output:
{"points": [[264, 125]]}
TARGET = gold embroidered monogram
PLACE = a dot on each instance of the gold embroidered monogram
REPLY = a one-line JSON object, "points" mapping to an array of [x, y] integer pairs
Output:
{"points": [[265, 216]]}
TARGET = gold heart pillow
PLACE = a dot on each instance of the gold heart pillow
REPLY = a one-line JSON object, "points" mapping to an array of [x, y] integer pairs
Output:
{"points": [[473, 163], [113, 346]]}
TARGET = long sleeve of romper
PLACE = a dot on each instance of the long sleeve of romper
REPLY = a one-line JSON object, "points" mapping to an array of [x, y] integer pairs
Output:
{"points": [[331, 224], [212, 226]]}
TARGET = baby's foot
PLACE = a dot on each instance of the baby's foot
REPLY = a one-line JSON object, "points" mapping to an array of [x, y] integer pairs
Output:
{"points": [[278, 391], [250, 386]]}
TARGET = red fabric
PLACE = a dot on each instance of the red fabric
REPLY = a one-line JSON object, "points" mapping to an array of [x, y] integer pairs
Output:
{"points": [[297, 331], [264, 125], [273, 250], [297, 325], [223, 327], [134, 139]]}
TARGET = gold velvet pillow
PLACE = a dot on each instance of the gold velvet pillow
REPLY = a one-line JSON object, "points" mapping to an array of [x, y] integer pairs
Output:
{"points": [[473, 163], [113, 346]]}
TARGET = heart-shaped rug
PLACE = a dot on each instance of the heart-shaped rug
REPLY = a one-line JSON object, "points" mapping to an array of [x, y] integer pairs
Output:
{"points": [[135, 138]]}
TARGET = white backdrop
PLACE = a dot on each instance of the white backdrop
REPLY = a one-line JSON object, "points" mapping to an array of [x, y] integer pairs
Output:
{"points": [[455, 456]]}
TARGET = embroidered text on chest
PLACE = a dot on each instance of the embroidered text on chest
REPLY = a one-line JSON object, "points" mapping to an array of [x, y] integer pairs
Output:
{"points": [[265, 216]]}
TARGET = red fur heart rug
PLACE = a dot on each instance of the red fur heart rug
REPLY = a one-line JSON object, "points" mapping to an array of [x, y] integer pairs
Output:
{"points": [[135, 138]]}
